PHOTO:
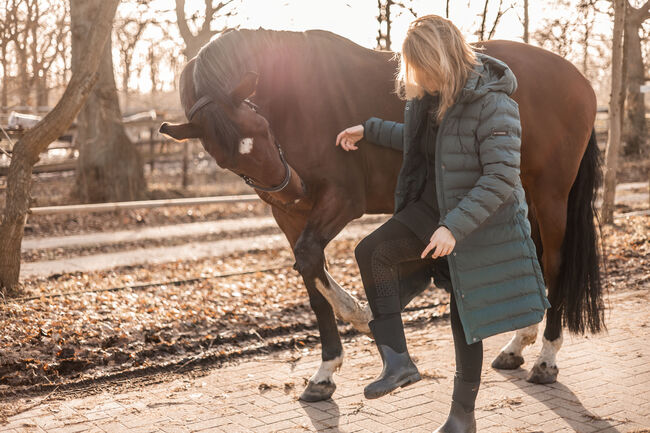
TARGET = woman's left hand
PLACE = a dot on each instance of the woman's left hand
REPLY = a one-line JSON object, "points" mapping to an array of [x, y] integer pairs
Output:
{"points": [[443, 242]]}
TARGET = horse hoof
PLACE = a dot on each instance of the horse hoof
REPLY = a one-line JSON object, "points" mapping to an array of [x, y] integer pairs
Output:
{"points": [[318, 391], [543, 374], [507, 361]]}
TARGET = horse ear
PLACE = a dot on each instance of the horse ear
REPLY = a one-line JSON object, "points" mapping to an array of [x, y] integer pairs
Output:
{"points": [[245, 88], [180, 132]]}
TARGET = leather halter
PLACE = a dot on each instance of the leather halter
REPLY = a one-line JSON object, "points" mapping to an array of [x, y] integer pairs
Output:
{"points": [[202, 102]]}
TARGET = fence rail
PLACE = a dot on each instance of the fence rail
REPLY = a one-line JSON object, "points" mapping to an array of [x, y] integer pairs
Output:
{"points": [[144, 204]]}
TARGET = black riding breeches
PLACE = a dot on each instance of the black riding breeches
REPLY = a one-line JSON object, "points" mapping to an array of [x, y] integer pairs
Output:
{"points": [[393, 273]]}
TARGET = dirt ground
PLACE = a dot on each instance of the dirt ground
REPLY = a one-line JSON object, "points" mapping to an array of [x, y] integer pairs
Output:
{"points": [[75, 328]]}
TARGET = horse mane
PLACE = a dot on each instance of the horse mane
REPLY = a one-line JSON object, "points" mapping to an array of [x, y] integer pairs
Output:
{"points": [[220, 64]]}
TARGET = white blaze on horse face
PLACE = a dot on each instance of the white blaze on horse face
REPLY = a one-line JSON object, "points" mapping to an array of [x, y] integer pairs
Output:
{"points": [[326, 370], [549, 351], [245, 145], [523, 337]]}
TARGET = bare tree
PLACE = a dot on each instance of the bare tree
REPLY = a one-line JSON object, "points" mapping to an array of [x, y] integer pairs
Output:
{"points": [[8, 34], [483, 27], [109, 167], [153, 59], [27, 150], [588, 24], [616, 97], [557, 34], [38, 30], [26, 20], [46, 43], [128, 31], [634, 124], [526, 22], [384, 19], [203, 32]]}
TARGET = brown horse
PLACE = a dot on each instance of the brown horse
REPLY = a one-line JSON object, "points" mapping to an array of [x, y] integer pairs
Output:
{"points": [[308, 86]]}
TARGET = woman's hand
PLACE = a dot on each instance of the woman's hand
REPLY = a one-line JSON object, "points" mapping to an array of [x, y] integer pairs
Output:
{"points": [[443, 241], [349, 136]]}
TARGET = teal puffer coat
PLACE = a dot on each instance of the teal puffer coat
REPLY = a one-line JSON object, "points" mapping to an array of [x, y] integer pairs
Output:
{"points": [[496, 277]]}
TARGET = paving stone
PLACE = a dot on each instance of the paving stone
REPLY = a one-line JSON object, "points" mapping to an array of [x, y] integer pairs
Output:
{"points": [[604, 386]]}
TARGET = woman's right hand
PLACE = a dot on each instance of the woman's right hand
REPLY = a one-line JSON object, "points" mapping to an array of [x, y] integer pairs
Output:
{"points": [[349, 136]]}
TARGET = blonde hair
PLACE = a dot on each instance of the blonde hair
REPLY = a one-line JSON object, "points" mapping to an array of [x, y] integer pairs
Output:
{"points": [[436, 49]]}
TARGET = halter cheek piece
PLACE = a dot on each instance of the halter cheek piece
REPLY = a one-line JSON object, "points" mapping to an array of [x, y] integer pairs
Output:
{"points": [[202, 102]]}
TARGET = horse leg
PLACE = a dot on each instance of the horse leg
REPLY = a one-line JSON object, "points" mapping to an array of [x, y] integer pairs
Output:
{"points": [[511, 355], [552, 217], [545, 369], [321, 385], [329, 216]]}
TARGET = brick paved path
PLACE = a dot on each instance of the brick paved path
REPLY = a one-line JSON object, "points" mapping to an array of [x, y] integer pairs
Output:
{"points": [[604, 386]]}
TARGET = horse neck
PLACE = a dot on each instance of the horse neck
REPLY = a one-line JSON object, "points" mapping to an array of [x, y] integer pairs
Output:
{"points": [[307, 76]]}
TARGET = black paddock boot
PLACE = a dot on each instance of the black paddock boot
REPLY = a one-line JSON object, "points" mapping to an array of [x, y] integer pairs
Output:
{"points": [[461, 415], [399, 369]]}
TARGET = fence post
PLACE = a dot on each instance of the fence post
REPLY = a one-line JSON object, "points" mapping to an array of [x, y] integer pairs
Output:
{"points": [[185, 163], [152, 145]]}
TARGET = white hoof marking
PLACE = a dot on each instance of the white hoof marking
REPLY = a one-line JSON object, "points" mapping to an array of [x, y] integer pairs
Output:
{"points": [[549, 351], [326, 370], [522, 338]]}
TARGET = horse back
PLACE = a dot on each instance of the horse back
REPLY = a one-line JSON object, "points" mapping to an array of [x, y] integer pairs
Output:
{"points": [[557, 106]]}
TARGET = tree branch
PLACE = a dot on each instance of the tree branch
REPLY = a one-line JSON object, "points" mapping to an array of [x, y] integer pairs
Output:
{"points": [[181, 20]]}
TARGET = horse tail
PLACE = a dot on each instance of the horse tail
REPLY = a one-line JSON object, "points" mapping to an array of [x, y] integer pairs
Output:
{"points": [[579, 285]]}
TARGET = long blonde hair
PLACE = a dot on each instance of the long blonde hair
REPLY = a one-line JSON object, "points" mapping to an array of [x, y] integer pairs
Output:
{"points": [[436, 49]]}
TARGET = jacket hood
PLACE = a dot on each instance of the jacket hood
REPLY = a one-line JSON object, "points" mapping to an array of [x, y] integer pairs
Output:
{"points": [[490, 75]]}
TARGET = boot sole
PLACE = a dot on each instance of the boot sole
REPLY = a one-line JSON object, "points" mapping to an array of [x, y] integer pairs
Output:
{"points": [[411, 379], [401, 384]]}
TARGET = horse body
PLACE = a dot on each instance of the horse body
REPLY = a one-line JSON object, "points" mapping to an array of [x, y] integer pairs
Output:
{"points": [[314, 84]]}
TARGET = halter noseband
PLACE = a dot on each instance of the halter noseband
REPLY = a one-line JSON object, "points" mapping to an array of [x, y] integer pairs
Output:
{"points": [[202, 102]]}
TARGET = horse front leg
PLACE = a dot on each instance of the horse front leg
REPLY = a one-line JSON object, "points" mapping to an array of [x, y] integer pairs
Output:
{"points": [[321, 385], [329, 216], [327, 298], [310, 262]]}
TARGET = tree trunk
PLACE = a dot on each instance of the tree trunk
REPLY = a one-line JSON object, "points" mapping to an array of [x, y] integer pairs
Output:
{"points": [[586, 39], [634, 126], [4, 100], [383, 16], [526, 22], [24, 87], [109, 167], [481, 30], [193, 43], [125, 84], [42, 92], [153, 70], [27, 150], [617, 93]]}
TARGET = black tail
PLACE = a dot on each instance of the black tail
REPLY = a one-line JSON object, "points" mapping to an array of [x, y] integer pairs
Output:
{"points": [[579, 287]]}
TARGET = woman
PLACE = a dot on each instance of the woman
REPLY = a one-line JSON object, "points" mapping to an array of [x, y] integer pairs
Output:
{"points": [[460, 210]]}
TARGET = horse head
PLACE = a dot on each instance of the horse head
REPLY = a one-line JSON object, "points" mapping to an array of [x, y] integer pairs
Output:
{"points": [[236, 135]]}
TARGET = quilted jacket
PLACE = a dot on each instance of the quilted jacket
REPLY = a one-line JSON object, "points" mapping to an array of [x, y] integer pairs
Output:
{"points": [[496, 277]]}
